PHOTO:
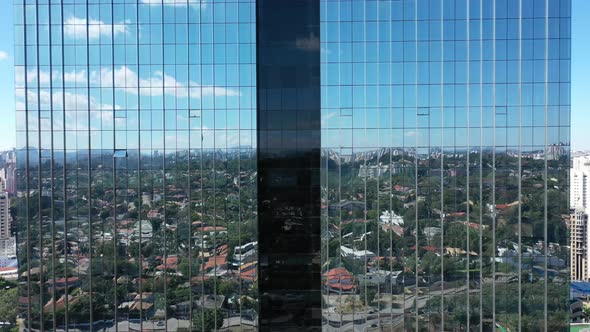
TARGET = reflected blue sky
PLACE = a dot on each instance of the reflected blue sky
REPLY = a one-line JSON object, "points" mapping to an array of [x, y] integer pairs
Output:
{"points": [[151, 77]]}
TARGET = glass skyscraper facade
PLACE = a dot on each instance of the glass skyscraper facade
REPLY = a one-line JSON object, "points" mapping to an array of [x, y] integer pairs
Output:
{"points": [[192, 165]]}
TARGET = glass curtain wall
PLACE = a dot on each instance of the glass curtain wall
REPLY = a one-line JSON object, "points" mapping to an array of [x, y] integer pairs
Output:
{"points": [[136, 166], [445, 136]]}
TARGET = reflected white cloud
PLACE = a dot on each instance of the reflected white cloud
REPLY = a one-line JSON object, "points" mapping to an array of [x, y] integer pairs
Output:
{"points": [[75, 27], [156, 84], [68, 101], [199, 3], [75, 76], [31, 76], [412, 133], [125, 79]]}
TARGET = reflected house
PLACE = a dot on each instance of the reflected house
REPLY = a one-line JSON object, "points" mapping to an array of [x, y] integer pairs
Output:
{"points": [[9, 273], [346, 207], [142, 229], [340, 281], [216, 263], [503, 207], [136, 303], [391, 218], [428, 248], [211, 301], [211, 230], [248, 272], [152, 214], [376, 277], [458, 252], [356, 254], [170, 263], [399, 230], [60, 283], [60, 304]]}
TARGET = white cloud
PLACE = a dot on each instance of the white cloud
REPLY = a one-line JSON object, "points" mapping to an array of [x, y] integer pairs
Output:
{"points": [[75, 27], [200, 3], [19, 76], [327, 117], [3, 55], [73, 101], [124, 79], [156, 84], [75, 76], [45, 78], [412, 133], [127, 80]]}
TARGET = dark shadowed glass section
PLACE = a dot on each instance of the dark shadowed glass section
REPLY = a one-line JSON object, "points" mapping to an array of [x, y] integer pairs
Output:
{"points": [[288, 71]]}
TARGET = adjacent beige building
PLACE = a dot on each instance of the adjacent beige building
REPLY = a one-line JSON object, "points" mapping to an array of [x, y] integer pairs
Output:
{"points": [[579, 260], [5, 219]]}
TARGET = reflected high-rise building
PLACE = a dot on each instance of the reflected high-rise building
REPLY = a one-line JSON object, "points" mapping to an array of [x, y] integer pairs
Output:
{"points": [[377, 165]]}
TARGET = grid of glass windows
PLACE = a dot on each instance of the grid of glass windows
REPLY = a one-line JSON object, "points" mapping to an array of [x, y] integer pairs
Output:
{"points": [[445, 136], [136, 164], [445, 151]]}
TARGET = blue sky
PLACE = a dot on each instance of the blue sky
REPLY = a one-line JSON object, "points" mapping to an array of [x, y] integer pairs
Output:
{"points": [[7, 120], [580, 76]]}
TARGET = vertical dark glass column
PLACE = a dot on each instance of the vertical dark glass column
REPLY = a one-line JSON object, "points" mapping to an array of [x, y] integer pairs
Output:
{"points": [[288, 116]]}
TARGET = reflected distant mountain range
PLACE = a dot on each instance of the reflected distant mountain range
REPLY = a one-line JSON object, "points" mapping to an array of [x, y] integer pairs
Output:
{"points": [[338, 155]]}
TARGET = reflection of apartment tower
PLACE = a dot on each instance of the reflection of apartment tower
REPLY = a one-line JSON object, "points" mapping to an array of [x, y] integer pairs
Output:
{"points": [[4, 215], [373, 171], [579, 259], [8, 173], [580, 183]]}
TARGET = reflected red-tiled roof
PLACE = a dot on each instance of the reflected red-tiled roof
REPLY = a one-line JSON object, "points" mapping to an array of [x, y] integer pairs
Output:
{"points": [[248, 271], [214, 261], [9, 268], [212, 228], [340, 279], [63, 280], [171, 263], [427, 248]]}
